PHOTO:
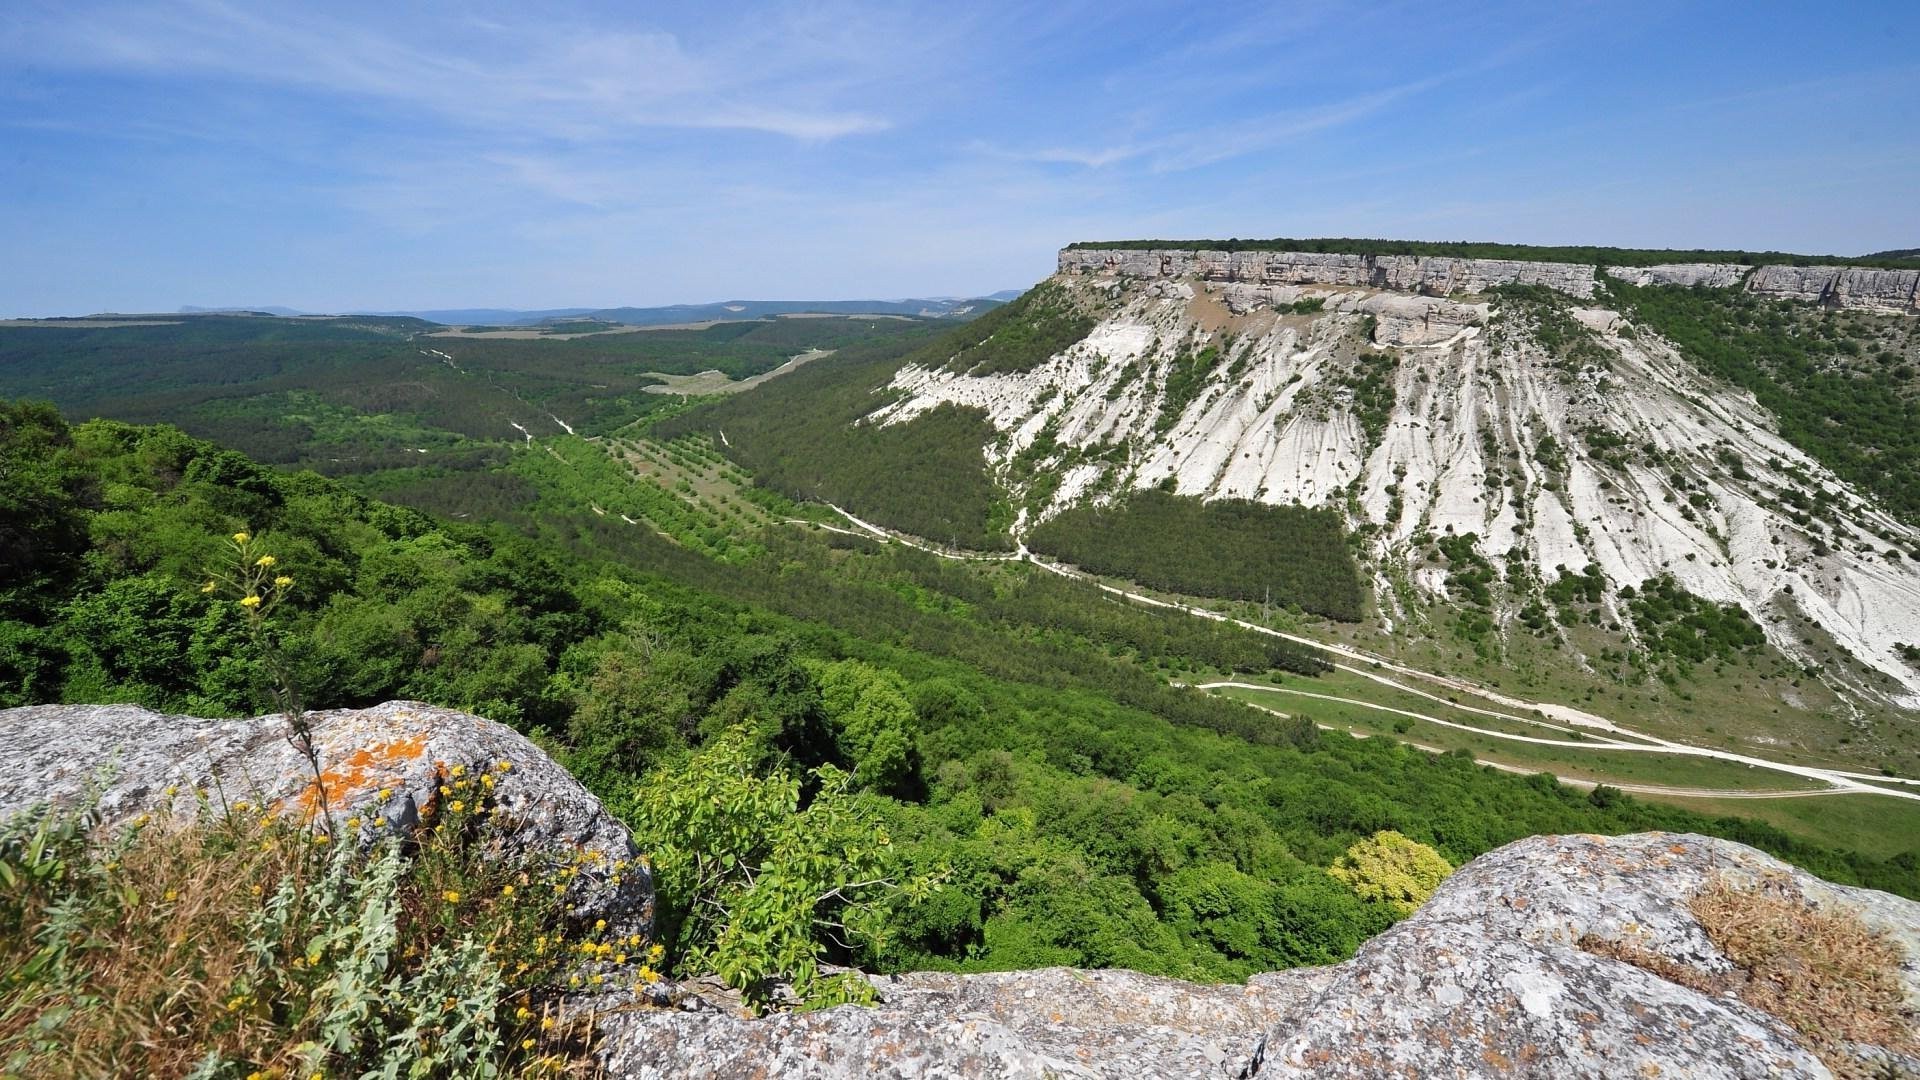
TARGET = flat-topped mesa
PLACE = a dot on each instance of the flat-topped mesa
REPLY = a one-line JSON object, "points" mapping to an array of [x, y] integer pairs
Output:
{"points": [[1433, 275], [1854, 288]]}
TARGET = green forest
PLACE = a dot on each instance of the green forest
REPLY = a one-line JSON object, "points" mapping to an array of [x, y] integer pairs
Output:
{"points": [[1054, 799], [927, 475], [356, 396], [1462, 249], [1291, 556]]}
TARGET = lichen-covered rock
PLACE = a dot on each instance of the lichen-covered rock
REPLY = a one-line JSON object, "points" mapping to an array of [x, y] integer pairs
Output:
{"points": [[1055, 1022], [133, 761], [1497, 975], [1490, 977]]}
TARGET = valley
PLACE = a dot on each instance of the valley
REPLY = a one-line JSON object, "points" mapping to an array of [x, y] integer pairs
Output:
{"points": [[1120, 544]]}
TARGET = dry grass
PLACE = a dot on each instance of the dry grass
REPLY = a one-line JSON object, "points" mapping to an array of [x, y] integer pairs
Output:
{"points": [[1820, 970], [251, 943]]}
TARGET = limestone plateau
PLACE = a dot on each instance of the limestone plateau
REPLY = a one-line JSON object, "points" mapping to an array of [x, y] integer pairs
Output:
{"points": [[1493, 430], [1555, 956]]}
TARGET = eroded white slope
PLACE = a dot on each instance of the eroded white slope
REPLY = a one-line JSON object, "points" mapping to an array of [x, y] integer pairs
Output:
{"points": [[1693, 489]]}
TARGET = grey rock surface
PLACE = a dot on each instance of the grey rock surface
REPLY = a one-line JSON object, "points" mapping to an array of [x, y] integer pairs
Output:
{"points": [[134, 761], [1852, 287], [1049, 1022], [1710, 275], [1430, 275], [1487, 979]]}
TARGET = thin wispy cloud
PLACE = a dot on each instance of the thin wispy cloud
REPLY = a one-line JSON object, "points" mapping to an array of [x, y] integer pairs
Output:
{"points": [[379, 155]]}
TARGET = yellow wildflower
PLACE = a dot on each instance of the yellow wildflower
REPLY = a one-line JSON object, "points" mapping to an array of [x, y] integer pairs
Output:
{"points": [[353, 823], [526, 1044], [459, 771], [648, 975], [457, 806], [522, 1014], [506, 890], [546, 1023], [241, 538], [264, 560], [451, 896], [250, 601], [209, 586], [283, 582], [322, 838], [599, 924], [170, 895]]}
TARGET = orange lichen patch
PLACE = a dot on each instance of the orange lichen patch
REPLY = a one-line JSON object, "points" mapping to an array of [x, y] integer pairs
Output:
{"points": [[360, 770]]}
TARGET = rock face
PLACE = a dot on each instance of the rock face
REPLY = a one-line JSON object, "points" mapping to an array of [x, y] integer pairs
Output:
{"points": [[1431, 275], [132, 756], [1892, 291], [1710, 275], [1488, 979], [1852, 287]]}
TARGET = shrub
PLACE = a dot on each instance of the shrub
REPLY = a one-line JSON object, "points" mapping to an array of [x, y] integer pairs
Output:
{"points": [[1387, 868], [755, 882], [236, 943]]}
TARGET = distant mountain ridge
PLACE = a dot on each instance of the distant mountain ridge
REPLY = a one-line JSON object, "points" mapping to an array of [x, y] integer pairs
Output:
{"points": [[936, 307]]}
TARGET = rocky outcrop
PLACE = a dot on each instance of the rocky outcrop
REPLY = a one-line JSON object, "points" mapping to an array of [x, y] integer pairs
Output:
{"points": [[1710, 275], [1497, 975], [1430, 275], [1852, 287], [388, 761]]}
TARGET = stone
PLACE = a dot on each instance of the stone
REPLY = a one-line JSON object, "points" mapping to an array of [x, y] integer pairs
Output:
{"points": [[1489, 978], [1426, 274], [1859, 288], [125, 758], [1708, 275]]}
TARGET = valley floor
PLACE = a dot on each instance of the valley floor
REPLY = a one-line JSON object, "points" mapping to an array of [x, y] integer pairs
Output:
{"points": [[1370, 695]]}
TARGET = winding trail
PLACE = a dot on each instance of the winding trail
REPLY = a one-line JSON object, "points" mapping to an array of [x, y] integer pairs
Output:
{"points": [[1837, 781]]}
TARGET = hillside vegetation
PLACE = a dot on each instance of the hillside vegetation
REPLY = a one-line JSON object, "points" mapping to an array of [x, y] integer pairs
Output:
{"points": [[1289, 556], [1009, 736], [807, 440], [1845, 386]]}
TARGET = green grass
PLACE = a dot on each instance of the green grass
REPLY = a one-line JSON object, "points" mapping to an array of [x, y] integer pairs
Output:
{"points": [[1874, 825], [1597, 765]]}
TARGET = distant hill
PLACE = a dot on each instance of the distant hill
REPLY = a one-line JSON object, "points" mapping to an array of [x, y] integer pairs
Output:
{"points": [[1896, 253], [943, 307], [938, 307]]}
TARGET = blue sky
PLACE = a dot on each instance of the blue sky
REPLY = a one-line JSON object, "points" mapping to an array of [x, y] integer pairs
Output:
{"points": [[413, 155]]}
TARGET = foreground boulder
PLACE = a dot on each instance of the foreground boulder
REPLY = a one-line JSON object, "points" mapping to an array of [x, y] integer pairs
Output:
{"points": [[389, 761], [1511, 969]]}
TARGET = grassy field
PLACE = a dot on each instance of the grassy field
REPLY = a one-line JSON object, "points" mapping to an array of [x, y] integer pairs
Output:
{"points": [[1596, 765], [1869, 824]]}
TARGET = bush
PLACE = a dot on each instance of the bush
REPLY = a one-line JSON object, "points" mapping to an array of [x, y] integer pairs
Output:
{"points": [[1389, 869], [755, 882], [236, 944]]}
